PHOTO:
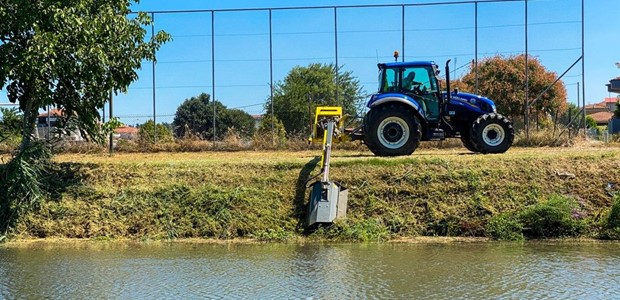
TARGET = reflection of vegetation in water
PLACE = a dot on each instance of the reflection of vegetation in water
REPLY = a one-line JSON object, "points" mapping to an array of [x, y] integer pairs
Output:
{"points": [[258, 195]]}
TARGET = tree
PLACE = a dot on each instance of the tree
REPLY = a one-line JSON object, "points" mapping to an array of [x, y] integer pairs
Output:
{"points": [[195, 116], [70, 55], [10, 124], [305, 88], [241, 121], [591, 123], [503, 80], [147, 133], [271, 129]]}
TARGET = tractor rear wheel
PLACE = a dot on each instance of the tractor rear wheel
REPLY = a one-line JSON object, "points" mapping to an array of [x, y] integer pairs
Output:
{"points": [[492, 133], [391, 130]]}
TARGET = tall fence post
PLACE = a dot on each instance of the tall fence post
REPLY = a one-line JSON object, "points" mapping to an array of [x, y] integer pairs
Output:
{"points": [[111, 116], [583, 68], [273, 131], [213, 71], [49, 124], [402, 32], [476, 44], [526, 119], [154, 87], [336, 53]]}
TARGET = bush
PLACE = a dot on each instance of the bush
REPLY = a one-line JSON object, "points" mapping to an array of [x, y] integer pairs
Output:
{"points": [[21, 183], [557, 217], [611, 228], [543, 138], [270, 134], [505, 227]]}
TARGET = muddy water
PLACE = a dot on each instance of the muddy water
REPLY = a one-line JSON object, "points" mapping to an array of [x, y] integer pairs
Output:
{"points": [[388, 271]]}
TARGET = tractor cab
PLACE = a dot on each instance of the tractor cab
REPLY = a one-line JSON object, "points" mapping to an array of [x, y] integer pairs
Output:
{"points": [[417, 81]]}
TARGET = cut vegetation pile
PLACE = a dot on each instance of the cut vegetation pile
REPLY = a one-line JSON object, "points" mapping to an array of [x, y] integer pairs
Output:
{"points": [[525, 193]]}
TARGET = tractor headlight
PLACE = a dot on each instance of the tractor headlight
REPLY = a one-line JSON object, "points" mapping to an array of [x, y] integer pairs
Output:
{"points": [[493, 108]]}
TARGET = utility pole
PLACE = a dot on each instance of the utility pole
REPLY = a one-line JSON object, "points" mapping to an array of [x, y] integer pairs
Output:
{"points": [[111, 116]]}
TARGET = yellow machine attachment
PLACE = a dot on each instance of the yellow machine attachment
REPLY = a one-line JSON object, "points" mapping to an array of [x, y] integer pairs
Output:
{"points": [[324, 114], [328, 199]]}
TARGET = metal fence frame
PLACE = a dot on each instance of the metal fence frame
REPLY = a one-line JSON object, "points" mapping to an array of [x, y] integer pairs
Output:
{"points": [[526, 103]]}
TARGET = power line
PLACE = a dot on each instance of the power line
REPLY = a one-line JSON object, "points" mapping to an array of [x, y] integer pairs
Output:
{"points": [[355, 57], [375, 31], [198, 86], [327, 7], [172, 114]]}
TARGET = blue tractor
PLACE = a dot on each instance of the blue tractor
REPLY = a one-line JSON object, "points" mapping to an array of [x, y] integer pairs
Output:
{"points": [[410, 107]]}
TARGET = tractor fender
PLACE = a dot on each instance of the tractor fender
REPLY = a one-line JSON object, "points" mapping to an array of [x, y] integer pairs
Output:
{"points": [[378, 100]]}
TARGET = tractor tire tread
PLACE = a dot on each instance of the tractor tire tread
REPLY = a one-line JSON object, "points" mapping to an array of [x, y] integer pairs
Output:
{"points": [[478, 127]]}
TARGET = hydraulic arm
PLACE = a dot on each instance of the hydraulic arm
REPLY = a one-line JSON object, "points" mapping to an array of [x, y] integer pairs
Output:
{"points": [[328, 199]]}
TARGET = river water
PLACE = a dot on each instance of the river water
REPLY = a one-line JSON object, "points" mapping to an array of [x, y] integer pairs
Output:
{"points": [[315, 271]]}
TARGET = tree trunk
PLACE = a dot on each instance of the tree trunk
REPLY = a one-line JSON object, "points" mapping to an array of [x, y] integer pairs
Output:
{"points": [[28, 124]]}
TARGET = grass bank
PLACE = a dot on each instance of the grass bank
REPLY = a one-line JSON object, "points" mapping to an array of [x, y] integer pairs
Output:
{"points": [[261, 195]]}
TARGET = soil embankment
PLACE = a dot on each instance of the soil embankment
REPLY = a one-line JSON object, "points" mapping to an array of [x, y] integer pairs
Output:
{"points": [[261, 195]]}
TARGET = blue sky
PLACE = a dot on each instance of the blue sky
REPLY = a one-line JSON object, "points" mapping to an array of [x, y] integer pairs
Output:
{"points": [[365, 36]]}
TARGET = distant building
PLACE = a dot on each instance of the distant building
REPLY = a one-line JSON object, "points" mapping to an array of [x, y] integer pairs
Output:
{"points": [[126, 132], [614, 86], [48, 124], [601, 118], [50, 118], [602, 112]]}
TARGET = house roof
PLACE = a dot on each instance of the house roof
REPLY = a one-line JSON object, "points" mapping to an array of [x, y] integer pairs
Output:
{"points": [[596, 105], [602, 117], [126, 129], [257, 117], [610, 100], [52, 113]]}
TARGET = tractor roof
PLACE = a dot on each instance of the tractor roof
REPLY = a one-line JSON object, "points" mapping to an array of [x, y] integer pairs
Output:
{"points": [[406, 64]]}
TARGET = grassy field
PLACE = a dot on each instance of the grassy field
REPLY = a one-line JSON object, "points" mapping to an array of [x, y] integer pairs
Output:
{"points": [[262, 195]]}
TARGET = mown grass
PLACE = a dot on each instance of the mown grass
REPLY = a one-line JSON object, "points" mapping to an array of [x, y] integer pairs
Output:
{"points": [[262, 195]]}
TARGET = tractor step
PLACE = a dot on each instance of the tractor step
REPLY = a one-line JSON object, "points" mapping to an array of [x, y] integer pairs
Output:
{"points": [[436, 134]]}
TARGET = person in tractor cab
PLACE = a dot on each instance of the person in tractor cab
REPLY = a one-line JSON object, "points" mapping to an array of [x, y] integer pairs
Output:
{"points": [[412, 86]]}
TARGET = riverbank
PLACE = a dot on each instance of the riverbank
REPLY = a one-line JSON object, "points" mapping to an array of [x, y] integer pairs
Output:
{"points": [[97, 243], [261, 195], [79, 243]]}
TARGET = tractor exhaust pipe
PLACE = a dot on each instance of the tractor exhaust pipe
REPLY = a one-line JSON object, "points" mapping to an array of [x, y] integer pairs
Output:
{"points": [[448, 80]]}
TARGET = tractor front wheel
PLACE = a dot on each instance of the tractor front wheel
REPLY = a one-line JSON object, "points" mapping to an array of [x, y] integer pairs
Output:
{"points": [[391, 130], [492, 133], [467, 142]]}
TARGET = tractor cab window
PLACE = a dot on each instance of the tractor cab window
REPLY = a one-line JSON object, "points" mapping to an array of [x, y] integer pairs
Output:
{"points": [[389, 81], [421, 84], [419, 79]]}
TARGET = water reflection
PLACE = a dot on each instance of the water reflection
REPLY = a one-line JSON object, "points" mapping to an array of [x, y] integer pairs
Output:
{"points": [[406, 271]]}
